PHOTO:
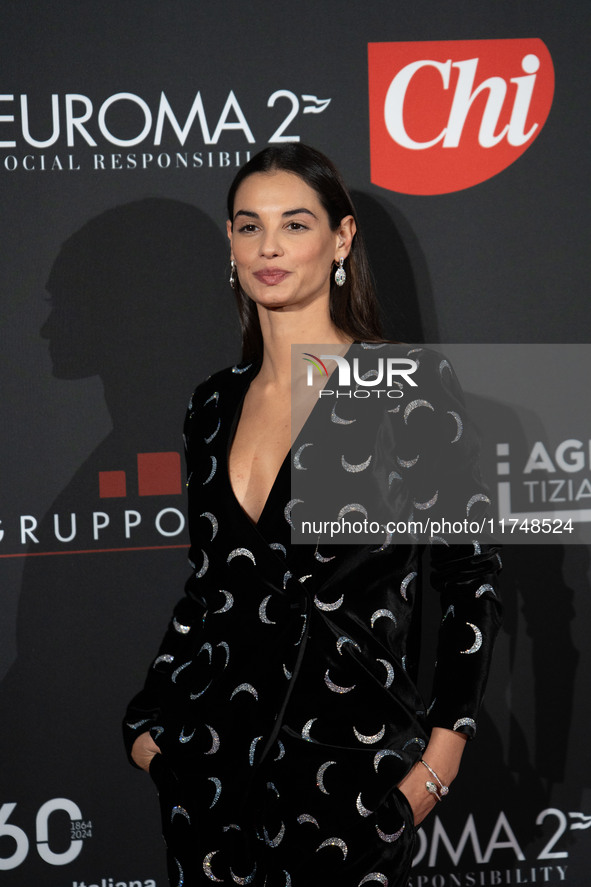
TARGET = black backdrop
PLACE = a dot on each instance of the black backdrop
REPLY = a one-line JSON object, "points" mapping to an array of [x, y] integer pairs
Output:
{"points": [[126, 236]]}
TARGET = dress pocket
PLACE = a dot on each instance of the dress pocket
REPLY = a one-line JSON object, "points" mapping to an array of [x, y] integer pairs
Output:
{"points": [[404, 807], [161, 772], [154, 767]]}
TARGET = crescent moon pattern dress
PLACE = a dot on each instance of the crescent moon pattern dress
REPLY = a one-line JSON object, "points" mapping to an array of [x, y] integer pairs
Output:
{"points": [[283, 696]]}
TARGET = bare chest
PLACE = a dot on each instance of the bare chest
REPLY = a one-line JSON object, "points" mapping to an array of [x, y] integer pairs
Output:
{"points": [[259, 448]]}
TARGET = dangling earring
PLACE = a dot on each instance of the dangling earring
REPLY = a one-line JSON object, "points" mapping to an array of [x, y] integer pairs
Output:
{"points": [[340, 274], [232, 273]]}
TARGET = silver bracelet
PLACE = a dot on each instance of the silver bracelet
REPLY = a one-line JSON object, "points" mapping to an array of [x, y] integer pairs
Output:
{"points": [[433, 790], [440, 790]]}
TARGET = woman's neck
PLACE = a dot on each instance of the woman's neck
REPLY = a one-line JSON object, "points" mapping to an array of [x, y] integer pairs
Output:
{"points": [[282, 329]]}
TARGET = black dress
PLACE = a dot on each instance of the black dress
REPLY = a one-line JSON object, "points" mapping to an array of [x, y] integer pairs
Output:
{"points": [[283, 696]]}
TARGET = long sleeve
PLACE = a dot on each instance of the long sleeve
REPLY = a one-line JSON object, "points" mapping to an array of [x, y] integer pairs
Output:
{"points": [[466, 577], [447, 488], [144, 710]]}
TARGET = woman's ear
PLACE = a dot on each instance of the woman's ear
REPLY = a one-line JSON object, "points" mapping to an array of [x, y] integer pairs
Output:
{"points": [[345, 234]]}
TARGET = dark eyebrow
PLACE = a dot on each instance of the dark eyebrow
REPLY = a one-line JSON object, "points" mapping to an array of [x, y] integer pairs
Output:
{"points": [[296, 212], [290, 212]]}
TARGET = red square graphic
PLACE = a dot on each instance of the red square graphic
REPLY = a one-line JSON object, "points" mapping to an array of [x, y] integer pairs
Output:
{"points": [[112, 484], [158, 474]]}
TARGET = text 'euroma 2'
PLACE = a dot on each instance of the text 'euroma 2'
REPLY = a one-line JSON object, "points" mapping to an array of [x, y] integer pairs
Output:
{"points": [[83, 123]]}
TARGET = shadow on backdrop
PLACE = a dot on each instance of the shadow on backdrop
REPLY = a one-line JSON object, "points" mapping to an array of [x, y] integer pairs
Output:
{"points": [[136, 295], [400, 271], [519, 761], [139, 298]]}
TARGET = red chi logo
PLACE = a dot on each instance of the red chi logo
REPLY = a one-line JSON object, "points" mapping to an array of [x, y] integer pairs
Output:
{"points": [[447, 115]]}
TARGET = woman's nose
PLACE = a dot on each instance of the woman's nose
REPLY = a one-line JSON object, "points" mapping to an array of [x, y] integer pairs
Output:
{"points": [[270, 245]]}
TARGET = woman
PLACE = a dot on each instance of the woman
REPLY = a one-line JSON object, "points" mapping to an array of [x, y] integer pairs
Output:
{"points": [[280, 719]]}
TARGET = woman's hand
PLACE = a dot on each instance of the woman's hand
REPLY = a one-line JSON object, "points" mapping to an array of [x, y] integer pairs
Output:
{"points": [[143, 750], [443, 754]]}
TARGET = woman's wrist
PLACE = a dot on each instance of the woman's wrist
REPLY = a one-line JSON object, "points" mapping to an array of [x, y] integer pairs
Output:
{"points": [[436, 788], [443, 754], [445, 772]]}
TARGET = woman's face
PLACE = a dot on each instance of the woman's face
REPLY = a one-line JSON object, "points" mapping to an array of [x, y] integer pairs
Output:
{"points": [[282, 242]]}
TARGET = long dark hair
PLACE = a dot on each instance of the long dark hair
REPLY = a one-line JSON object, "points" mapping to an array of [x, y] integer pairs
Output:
{"points": [[353, 307]]}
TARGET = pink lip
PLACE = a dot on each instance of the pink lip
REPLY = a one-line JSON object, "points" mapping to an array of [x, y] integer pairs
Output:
{"points": [[271, 276]]}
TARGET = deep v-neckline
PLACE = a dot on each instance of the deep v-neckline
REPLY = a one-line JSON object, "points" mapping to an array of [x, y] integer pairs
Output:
{"points": [[249, 375], [231, 436]]}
